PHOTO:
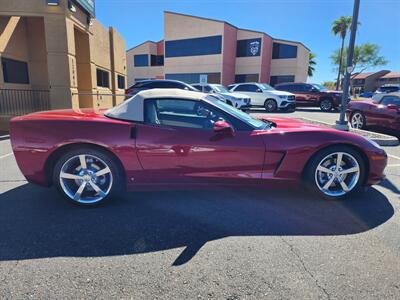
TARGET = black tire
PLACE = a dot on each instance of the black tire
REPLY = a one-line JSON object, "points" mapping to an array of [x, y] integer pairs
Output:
{"points": [[104, 157], [310, 177], [361, 117], [270, 105], [326, 105]]}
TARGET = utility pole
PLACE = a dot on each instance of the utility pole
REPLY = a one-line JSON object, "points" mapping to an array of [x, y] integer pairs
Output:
{"points": [[341, 124]]}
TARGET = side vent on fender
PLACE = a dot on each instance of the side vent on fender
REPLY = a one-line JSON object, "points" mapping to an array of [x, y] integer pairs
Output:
{"points": [[133, 132]]}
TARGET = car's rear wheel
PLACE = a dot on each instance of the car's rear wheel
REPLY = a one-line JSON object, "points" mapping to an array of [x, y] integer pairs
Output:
{"points": [[336, 172], [326, 105], [86, 176], [270, 105], [357, 120]]}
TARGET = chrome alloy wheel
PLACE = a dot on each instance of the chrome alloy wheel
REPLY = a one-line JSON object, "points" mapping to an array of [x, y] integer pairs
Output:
{"points": [[357, 120], [326, 105], [86, 179], [337, 174]]}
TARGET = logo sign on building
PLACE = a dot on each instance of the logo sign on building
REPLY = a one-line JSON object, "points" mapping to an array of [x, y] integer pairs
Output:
{"points": [[88, 6], [203, 79], [254, 48]]}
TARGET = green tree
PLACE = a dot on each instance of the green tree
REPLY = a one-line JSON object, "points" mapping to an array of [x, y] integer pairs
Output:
{"points": [[311, 63], [340, 27], [366, 56], [329, 84]]}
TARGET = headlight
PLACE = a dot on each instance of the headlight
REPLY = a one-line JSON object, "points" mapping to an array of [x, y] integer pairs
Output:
{"points": [[282, 96]]}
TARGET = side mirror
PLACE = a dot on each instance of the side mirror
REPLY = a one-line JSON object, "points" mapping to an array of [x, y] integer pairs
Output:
{"points": [[259, 90], [223, 127]]}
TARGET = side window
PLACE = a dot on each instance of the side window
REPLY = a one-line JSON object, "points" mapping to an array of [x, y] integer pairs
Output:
{"points": [[300, 88], [307, 87], [284, 87], [182, 113], [174, 85], [390, 100], [207, 89], [253, 88], [246, 88]]}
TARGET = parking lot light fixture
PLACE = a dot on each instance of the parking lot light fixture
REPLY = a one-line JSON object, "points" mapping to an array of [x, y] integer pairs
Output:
{"points": [[341, 124]]}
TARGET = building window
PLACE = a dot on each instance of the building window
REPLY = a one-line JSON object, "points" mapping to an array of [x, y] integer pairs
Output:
{"points": [[121, 82], [250, 47], [191, 47], [15, 71], [157, 60], [281, 79], [246, 78], [141, 60], [103, 79], [194, 77], [283, 51]]}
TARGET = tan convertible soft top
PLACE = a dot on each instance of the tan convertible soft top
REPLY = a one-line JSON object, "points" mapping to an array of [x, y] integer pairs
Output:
{"points": [[132, 109]]}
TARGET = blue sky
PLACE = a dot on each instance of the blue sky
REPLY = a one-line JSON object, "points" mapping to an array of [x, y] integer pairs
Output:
{"points": [[307, 21]]}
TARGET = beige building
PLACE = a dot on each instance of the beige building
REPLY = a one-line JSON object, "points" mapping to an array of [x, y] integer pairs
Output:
{"points": [[227, 54], [52, 53]]}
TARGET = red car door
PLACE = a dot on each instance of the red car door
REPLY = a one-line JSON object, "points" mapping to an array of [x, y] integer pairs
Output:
{"points": [[178, 145]]}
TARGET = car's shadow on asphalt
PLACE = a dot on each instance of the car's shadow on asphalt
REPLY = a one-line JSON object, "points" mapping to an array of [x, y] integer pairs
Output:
{"points": [[36, 223]]}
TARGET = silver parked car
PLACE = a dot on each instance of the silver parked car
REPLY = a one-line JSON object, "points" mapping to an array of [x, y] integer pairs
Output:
{"points": [[240, 101]]}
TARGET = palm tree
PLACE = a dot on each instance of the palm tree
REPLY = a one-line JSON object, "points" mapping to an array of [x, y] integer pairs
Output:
{"points": [[340, 27], [311, 64]]}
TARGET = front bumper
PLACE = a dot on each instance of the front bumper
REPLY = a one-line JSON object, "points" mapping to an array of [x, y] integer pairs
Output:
{"points": [[242, 104], [287, 105]]}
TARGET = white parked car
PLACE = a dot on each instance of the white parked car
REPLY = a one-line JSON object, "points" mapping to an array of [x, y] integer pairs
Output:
{"points": [[263, 95], [237, 100]]}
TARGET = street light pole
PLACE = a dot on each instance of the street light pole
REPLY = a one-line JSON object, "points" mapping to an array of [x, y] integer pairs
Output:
{"points": [[341, 124]]}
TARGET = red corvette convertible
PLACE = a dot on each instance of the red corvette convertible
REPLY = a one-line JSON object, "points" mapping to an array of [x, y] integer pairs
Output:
{"points": [[174, 138], [381, 113]]}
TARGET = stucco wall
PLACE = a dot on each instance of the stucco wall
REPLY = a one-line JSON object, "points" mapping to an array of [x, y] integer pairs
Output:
{"points": [[54, 66], [292, 66], [229, 55], [250, 64], [143, 72]]}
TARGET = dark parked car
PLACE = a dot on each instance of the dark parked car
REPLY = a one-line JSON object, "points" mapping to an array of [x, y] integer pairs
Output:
{"points": [[382, 113], [158, 84], [311, 94]]}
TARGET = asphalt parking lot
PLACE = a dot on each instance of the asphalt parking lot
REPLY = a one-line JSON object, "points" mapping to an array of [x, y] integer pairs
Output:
{"points": [[206, 244]]}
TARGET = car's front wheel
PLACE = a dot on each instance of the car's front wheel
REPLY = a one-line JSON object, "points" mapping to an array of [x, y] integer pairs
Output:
{"points": [[270, 105], [326, 105], [336, 172], [86, 176], [357, 120]]}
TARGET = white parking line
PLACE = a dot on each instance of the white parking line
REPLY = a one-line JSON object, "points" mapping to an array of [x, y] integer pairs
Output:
{"points": [[6, 155], [394, 156]]}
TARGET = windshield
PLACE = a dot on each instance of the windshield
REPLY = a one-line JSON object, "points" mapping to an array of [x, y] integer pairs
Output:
{"points": [[266, 87], [255, 123], [319, 87], [220, 88]]}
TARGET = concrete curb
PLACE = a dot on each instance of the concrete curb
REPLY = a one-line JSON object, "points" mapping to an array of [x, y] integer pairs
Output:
{"points": [[379, 138]]}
